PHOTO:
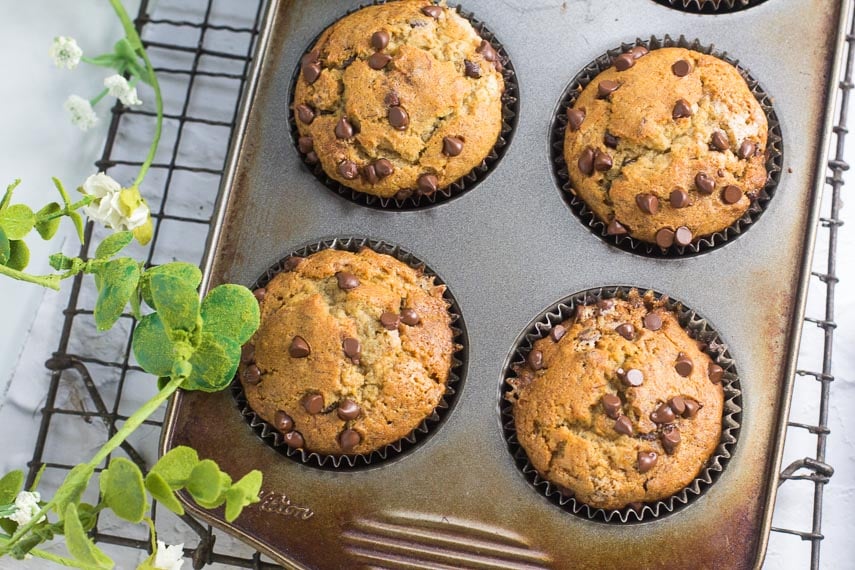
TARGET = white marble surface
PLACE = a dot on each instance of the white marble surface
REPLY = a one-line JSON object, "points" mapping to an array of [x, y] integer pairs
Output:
{"points": [[38, 142]]}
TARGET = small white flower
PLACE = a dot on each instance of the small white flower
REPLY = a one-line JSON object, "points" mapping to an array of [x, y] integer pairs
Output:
{"points": [[27, 506], [120, 88], [82, 113], [168, 557], [108, 207], [65, 52], [100, 185]]}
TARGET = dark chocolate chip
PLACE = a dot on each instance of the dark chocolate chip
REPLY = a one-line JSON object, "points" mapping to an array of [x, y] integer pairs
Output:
{"points": [[343, 129], [647, 203], [633, 377], [615, 228], [652, 321], [310, 57], [575, 118], [305, 144], [681, 68], [311, 72], [683, 236], [704, 183], [352, 348], [349, 439], [370, 174], [535, 360], [252, 374], [639, 52], [557, 332], [746, 149], [731, 194], [452, 146], [293, 439], [398, 118], [471, 69], [679, 198], [683, 365], [348, 410], [260, 294], [678, 404], [390, 321], [663, 414], [682, 109], [305, 114], [670, 440], [428, 184], [646, 461], [605, 304], [692, 408], [602, 161], [486, 50], [313, 403], [348, 170], [380, 39], [403, 194], [346, 280], [312, 158], [391, 99], [665, 238], [433, 11], [611, 405], [624, 61], [719, 141], [282, 421], [247, 354], [299, 348], [623, 425], [410, 317], [626, 330], [379, 60], [610, 140], [716, 373], [586, 161], [606, 87], [383, 168]]}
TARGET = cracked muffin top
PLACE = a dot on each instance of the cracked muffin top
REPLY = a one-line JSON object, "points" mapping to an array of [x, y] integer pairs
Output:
{"points": [[399, 98], [667, 146], [618, 405], [353, 352]]}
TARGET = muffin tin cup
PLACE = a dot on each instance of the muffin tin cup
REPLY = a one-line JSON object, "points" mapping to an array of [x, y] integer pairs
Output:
{"points": [[273, 437], [699, 329], [510, 112], [710, 6], [774, 155]]}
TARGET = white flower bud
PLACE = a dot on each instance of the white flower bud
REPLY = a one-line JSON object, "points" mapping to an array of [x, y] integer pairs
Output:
{"points": [[109, 208], [119, 87], [82, 113], [27, 507], [65, 52], [168, 557]]}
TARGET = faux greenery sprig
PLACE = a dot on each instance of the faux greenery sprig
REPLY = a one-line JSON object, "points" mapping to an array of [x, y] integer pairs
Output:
{"points": [[186, 342]]}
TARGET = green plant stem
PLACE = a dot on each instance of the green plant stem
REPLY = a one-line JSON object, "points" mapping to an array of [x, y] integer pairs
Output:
{"points": [[50, 281], [45, 555], [97, 98], [70, 208], [134, 38]]}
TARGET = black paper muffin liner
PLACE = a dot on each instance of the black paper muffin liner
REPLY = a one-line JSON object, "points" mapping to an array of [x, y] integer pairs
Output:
{"points": [[710, 6], [272, 437], [510, 113], [774, 155], [699, 329]]}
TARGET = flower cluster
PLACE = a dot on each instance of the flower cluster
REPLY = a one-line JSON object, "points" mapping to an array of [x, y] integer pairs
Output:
{"points": [[26, 507]]}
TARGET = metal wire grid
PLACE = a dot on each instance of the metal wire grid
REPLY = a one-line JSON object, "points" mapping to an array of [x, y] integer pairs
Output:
{"points": [[202, 552]]}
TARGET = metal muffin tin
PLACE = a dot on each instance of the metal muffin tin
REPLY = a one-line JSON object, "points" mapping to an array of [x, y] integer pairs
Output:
{"points": [[508, 249]]}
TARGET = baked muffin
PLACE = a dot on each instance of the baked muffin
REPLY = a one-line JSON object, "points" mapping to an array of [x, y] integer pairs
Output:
{"points": [[353, 352], [399, 98], [618, 405], [667, 146]]}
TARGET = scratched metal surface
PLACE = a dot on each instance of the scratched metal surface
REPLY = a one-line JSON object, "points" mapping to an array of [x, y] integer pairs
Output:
{"points": [[508, 249]]}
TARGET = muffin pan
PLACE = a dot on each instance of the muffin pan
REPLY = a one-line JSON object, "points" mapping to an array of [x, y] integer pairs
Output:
{"points": [[508, 249]]}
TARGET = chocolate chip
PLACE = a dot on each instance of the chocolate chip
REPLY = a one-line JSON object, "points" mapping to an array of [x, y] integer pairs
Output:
{"points": [[432, 11], [349, 439], [626, 330], [639, 52], [391, 99], [606, 87], [682, 109], [452, 146], [311, 72], [624, 61], [615, 228], [389, 321], [683, 365], [312, 158], [305, 144], [602, 161], [370, 174], [665, 238], [681, 68], [247, 354], [487, 51], [348, 410], [746, 149], [313, 403], [346, 280], [383, 168], [410, 317], [633, 377], [403, 194], [704, 183], [343, 129], [282, 421], [678, 404], [586, 161], [646, 461], [610, 140], [428, 184], [623, 425], [379, 60], [352, 349], [471, 69], [683, 236], [647, 203], [679, 198], [663, 414], [380, 39], [716, 373], [398, 118], [731, 194], [252, 374], [557, 333], [670, 440], [719, 141], [535, 360], [692, 408], [299, 348], [260, 294], [305, 114], [293, 439], [652, 321], [611, 405], [348, 170], [605, 304], [575, 118]]}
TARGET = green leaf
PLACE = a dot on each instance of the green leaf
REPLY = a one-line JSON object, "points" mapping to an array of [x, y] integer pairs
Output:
{"points": [[61, 189], [230, 311], [187, 272], [72, 489], [177, 303], [118, 280], [10, 485], [163, 493], [152, 348], [17, 220], [60, 262], [242, 494], [7, 196], [123, 490], [5, 248], [77, 219], [47, 228], [215, 362], [19, 255], [88, 515], [113, 244], [208, 485], [176, 466], [81, 546]]}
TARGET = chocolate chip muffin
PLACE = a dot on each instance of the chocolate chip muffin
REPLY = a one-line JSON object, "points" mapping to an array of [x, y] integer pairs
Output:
{"points": [[353, 352], [618, 405], [399, 98], [667, 146]]}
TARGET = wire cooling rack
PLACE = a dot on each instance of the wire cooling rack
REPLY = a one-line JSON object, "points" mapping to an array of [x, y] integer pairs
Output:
{"points": [[202, 51]]}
